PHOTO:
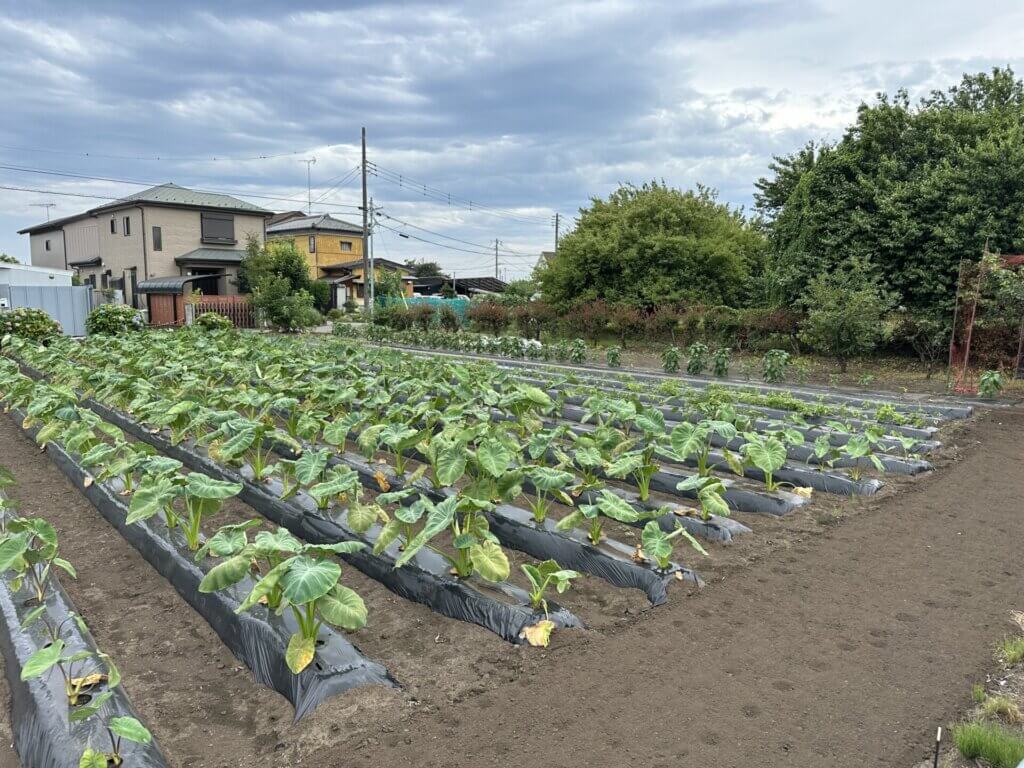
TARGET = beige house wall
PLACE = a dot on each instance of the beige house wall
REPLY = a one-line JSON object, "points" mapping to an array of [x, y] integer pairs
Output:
{"points": [[53, 258], [81, 238]]}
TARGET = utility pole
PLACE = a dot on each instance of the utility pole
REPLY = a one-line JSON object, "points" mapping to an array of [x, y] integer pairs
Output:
{"points": [[47, 206], [373, 267], [556, 231], [309, 188], [366, 238], [495, 258]]}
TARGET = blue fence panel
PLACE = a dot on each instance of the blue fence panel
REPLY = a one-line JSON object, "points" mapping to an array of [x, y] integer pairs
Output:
{"points": [[69, 305], [460, 306]]}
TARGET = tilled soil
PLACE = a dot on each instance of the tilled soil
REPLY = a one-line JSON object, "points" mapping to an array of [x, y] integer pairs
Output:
{"points": [[840, 636]]}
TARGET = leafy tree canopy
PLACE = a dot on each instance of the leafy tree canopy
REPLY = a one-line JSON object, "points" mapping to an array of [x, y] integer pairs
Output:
{"points": [[424, 268], [910, 189], [651, 245]]}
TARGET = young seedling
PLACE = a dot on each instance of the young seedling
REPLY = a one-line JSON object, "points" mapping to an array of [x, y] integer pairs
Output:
{"points": [[119, 729], [204, 496], [767, 454], [29, 549], [543, 576], [658, 545], [607, 505], [709, 494], [549, 485]]}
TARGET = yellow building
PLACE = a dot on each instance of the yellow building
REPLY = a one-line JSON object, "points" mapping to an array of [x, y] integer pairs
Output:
{"points": [[334, 251], [324, 240]]}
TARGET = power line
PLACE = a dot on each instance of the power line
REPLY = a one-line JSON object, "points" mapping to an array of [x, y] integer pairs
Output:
{"points": [[440, 195], [489, 248], [54, 192], [68, 174], [348, 176], [431, 242]]}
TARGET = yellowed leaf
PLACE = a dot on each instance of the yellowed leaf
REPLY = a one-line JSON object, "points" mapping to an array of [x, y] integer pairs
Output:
{"points": [[538, 635], [382, 481], [87, 481], [638, 555], [803, 491], [89, 680]]}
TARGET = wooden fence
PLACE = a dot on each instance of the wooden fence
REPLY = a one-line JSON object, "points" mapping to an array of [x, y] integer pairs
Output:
{"points": [[238, 309]]}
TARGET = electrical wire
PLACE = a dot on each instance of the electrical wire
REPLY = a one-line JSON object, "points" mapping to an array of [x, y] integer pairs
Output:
{"points": [[440, 195], [67, 174], [53, 192], [348, 176]]}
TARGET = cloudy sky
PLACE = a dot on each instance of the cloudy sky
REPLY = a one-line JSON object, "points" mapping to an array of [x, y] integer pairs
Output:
{"points": [[514, 110]]}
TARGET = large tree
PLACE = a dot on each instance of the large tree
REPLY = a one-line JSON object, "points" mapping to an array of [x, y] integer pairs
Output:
{"points": [[910, 188], [651, 245]]}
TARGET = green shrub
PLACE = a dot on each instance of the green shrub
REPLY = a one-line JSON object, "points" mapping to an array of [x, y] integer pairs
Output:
{"points": [[578, 351], [213, 321], [350, 305], [720, 362], [113, 320], [335, 314], [448, 318], [489, 317], [670, 359], [614, 357], [282, 308], [422, 315], [697, 358], [990, 384], [773, 365], [28, 323], [993, 743], [321, 292]]}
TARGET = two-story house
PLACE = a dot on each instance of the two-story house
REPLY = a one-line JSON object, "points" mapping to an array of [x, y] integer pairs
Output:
{"points": [[324, 240], [163, 231]]}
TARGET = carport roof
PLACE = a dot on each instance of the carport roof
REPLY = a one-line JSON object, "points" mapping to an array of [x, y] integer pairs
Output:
{"points": [[174, 284]]}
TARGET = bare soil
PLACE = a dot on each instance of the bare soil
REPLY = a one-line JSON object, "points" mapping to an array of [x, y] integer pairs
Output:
{"points": [[840, 635]]}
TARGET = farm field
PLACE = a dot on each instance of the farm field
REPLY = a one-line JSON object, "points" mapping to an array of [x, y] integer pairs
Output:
{"points": [[739, 570]]}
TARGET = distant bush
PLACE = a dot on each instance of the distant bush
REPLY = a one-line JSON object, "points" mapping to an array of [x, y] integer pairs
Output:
{"points": [[489, 317], [422, 315], [335, 314], [28, 323], [113, 320], [448, 318], [213, 321]]}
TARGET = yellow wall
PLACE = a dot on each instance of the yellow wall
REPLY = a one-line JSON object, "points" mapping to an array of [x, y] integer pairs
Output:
{"points": [[328, 250]]}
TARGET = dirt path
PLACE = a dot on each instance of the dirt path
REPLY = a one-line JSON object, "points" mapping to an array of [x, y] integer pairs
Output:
{"points": [[845, 651]]}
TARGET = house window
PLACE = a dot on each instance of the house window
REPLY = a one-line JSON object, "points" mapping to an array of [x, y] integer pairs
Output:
{"points": [[346, 245], [113, 225], [127, 226], [158, 239], [218, 228], [312, 243], [47, 245]]}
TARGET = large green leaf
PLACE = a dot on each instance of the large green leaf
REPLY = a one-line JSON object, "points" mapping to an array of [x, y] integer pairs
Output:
{"points": [[238, 443], [342, 607], [307, 579], [203, 487], [152, 495], [548, 479], [616, 508], [626, 464], [451, 464], [223, 575], [42, 660], [129, 728], [439, 518], [361, 517], [311, 465], [340, 481], [264, 586], [11, 550], [489, 561], [767, 454]]}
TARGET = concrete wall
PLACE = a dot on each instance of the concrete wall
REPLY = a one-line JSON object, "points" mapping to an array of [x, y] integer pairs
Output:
{"points": [[23, 274]]}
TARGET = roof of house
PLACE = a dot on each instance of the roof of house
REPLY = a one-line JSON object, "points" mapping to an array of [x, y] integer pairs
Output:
{"points": [[94, 261], [473, 284], [172, 284], [277, 218], [170, 195], [357, 263], [323, 222], [211, 255]]}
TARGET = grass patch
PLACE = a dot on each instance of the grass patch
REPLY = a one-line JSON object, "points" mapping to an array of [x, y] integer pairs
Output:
{"points": [[1003, 707], [978, 693], [1011, 650], [992, 743]]}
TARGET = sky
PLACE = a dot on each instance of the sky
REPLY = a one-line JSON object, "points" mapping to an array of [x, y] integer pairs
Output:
{"points": [[483, 120]]}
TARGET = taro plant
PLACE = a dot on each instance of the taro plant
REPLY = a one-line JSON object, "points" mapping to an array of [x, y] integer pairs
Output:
{"points": [[119, 730], [293, 574], [547, 484], [639, 463], [710, 492], [767, 453], [774, 364], [204, 497], [477, 550], [248, 440], [697, 358], [28, 547], [824, 452], [670, 359], [658, 545], [607, 505], [694, 440], [542, 577], [859, 448], [613, 356], [720, 362]]}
